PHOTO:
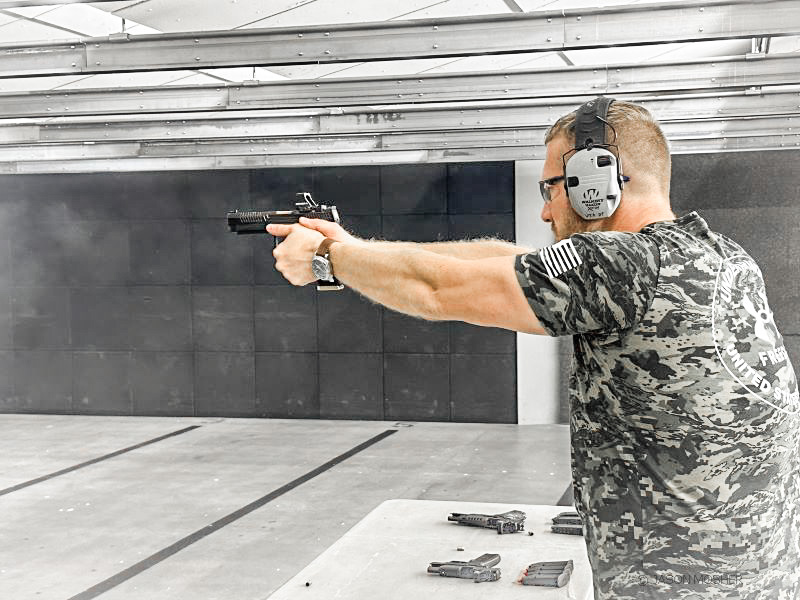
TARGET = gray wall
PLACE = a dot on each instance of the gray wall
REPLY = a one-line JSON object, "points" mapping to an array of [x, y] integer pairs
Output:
{"points": [[754, 198], [126, 294]]}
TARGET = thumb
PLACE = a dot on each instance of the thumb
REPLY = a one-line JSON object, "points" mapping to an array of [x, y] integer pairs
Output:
{"points": [[327, 228]]}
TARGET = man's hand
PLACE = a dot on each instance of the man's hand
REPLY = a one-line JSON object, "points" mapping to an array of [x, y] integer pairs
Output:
{"points": [[329, 229], [293, 255]]}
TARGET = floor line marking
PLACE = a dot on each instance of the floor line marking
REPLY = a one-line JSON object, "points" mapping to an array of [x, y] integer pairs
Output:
{"points": [[31, 482], [190, 539]]}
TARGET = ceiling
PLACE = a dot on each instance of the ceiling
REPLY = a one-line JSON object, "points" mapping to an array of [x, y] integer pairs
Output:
{"points": [[26, 25], [213, 132]]}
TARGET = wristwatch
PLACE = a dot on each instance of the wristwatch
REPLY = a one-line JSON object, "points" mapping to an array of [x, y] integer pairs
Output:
{"points": [[321, 263]]}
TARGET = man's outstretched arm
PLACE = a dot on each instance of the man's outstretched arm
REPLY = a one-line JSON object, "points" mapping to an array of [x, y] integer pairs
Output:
{"points": [[466, 249], [414, 281]]}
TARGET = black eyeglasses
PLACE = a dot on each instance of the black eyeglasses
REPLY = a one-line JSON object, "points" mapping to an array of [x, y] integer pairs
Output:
{"points": [[546, 184]]}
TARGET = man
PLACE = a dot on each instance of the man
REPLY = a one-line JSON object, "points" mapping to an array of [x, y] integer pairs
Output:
{"points": [[684, 405]]}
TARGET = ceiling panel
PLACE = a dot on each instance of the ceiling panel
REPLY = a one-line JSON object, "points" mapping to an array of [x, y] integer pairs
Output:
{"points": [[139, 29], [30, 12], [243, 74], [330, 12], [785, 44], [191, 78], [556, 5], [312, 71], [183, 15], [21, 31], [457, 8], [35, 84], [704, 50], [86, 19], [112, 80], [495, 62], [391, 68], [543, 60], [531, 5], [657, 52]]}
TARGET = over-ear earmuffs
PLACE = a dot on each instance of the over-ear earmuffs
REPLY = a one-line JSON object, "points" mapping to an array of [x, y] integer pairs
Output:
{"points": [[592, 173]]}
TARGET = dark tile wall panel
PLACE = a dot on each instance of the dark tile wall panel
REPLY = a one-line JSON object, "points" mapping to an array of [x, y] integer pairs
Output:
{"points": [[222, 318], [224, 384], [8, 401], [285, 319], [161, 318], [132, 296], [414, 189], [480, 188], [479, 226], [96, 253], [402, 333], [101, 383], [287, 385], [38, 256], [417, 387], [160, 252], [100, 318], [42, 381], [478, 381], [351, 386], [41, 318], [5, 253], [276, 189], [154, 196], [731, 180], [211, 194], [353, 190], [348, 323], [162, 383], [6, 318], [363, 226], [220, 257], [471, 339], [415, 228]]}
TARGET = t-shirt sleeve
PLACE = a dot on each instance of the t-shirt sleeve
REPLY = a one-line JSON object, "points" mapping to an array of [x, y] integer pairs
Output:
{"points": [[597, 282]]}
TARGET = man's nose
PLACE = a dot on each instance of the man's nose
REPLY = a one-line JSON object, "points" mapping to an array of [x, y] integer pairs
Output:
{"points": [[545, 214]]}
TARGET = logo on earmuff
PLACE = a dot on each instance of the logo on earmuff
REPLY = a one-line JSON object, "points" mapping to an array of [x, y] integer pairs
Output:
{"points": [[591, 194]]}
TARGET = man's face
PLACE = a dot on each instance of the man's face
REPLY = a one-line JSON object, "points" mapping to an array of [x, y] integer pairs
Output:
{"points": [[564, 221]]}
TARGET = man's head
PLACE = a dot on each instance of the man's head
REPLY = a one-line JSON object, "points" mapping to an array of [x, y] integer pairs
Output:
{"points": [[643, 156]]}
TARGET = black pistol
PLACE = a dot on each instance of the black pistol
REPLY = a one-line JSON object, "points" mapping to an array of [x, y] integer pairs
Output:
{"points": [[244, 222]]}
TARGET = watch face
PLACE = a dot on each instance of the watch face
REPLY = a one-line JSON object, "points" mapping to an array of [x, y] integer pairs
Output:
{"points": [[321, 268]]}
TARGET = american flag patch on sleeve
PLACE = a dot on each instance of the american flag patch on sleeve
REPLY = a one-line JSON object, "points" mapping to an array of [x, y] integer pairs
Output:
{"points": [[559, 258]]}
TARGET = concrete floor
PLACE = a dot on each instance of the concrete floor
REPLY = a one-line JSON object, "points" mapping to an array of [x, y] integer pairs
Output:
{"points": [[109, 529]]}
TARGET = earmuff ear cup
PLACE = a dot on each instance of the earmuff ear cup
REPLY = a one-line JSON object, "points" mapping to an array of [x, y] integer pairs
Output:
{"points": [[593, 182]]}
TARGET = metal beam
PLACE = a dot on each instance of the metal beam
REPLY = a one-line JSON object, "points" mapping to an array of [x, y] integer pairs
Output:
{"points": [[379, 157], [752, 133], [704, 75], [462, 36], [370, 120]]}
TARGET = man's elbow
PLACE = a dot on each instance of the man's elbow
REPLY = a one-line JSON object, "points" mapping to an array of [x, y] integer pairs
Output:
{"points": [[434, 307]]}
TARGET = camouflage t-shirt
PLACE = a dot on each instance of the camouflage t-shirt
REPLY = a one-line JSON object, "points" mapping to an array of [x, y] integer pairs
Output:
{"points": [[684, 412]]}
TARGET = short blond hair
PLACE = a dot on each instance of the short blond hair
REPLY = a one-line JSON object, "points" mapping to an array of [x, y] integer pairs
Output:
{"points": [[643, 148]]}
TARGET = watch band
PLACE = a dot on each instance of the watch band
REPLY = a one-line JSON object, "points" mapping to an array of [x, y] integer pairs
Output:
{"points": [[324, 247]]}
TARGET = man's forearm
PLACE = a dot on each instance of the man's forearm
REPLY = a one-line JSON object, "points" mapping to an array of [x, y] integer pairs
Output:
{"points": [[401, 276], [464, 249], [423, 284]]}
